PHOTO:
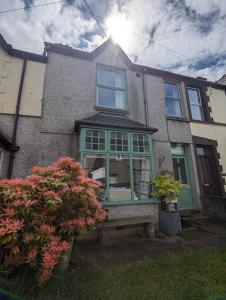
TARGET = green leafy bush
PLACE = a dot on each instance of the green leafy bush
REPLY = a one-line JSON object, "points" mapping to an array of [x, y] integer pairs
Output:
{"points": [[166, 188]]}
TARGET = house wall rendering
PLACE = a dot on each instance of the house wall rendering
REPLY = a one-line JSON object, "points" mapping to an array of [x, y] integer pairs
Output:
{"points": [[31, 99]]}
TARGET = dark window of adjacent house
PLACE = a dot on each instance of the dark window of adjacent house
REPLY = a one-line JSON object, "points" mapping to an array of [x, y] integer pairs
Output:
{"points": [[195, 104], [111, 91], [173, 100], [208, 171]]}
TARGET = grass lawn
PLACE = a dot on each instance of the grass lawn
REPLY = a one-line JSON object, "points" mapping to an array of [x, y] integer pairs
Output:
{"points": [[194, 275]]}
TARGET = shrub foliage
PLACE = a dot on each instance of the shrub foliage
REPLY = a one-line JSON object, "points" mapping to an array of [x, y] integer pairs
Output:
{"points": [[40, 216]]}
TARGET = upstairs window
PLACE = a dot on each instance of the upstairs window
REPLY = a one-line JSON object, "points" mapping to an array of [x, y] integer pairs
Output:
{"points": [[173, 100], [195, 104], [111, 90]]}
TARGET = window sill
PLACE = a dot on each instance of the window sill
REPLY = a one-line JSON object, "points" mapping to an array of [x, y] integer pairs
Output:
{"points": [[130, 202], [180, 119], [112, 110], [203, 121]]}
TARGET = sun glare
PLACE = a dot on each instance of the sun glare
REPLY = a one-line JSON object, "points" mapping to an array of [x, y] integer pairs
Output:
{"points": [[118, 27]]}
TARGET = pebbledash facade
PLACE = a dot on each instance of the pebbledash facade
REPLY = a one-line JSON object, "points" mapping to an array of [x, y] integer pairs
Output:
{"points": [[126, 123]]}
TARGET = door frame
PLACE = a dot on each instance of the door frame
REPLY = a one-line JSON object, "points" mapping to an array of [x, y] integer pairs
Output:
{"points": [[200, 141], [187, 171]]}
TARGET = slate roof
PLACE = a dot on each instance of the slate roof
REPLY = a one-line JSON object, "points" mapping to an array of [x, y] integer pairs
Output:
{"points": [[113, 120]]}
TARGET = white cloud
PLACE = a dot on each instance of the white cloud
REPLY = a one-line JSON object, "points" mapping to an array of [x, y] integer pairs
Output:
{"points": [[191, 28]]}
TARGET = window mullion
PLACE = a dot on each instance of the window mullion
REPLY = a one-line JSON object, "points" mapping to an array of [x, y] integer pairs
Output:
{"points": [[107, 175], [131, 176]]}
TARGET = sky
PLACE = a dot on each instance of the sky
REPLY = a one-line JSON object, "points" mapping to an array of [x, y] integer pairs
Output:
{"points": [[181, 36]]}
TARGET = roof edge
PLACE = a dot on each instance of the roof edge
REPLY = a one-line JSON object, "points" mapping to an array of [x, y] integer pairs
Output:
{"points": [[8, 48], [67, 50], [89, 123]]}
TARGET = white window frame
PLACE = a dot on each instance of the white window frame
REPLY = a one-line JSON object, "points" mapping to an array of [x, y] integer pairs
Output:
{"points": [[199, 105], [124, 89], [178, 99]]}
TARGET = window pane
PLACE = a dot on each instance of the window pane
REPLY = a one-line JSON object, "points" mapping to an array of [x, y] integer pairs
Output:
{"points": [[120, 142], [119, 187], [95, 140], [110, 78], [202, 151], [177, 149], [196, 112], [110, 98], [183, 175], [173, 108], [140, 143], [171, 90], [141, 177], [175, 169], [95, 168], [193, 96]]}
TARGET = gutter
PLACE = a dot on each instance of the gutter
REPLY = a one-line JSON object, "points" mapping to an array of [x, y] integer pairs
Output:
{"points": [[145, 99], [14, 148]]}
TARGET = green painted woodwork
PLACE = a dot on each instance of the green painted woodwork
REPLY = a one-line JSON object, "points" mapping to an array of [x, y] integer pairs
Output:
{"points": [[185, 199], [130, 154]]}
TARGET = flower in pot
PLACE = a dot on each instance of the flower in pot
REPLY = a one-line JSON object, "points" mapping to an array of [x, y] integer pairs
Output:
{"points": [[166, 189]]}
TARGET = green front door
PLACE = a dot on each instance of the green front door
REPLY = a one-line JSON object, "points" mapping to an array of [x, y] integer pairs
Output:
{"points": [[181, 173]]}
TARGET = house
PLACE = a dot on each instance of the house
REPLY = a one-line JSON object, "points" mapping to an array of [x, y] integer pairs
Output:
{"points": [[126, 123], [21, 90]]}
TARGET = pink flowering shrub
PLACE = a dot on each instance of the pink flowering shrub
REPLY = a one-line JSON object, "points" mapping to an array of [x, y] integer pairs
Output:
{"points": [[40, 216]]}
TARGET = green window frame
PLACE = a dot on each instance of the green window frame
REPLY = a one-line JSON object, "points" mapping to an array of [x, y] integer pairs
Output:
{"points": [[121, 153], [109, 94]]}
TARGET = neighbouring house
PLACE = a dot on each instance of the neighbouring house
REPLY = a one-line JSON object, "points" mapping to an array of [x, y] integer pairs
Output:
{"points": [[125, 123], [21, 90]]}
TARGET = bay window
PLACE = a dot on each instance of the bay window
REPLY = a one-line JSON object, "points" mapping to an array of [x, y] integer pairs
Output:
{"points": [[120, 160], [110, 88]]}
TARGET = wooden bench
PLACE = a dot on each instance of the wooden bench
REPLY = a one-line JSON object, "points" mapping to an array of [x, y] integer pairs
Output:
{"points": [[123, 222]]}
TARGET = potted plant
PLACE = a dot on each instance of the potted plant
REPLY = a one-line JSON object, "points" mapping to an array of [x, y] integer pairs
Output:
{"points": [[166, 189]]}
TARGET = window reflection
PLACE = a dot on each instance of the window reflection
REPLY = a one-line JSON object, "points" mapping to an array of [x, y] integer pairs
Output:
{"points": [[95, 168], [141, 177], [119, 174]]}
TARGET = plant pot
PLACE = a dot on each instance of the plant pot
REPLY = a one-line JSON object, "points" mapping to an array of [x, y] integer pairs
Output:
{"points": [[63, 264], [169, 222]]}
